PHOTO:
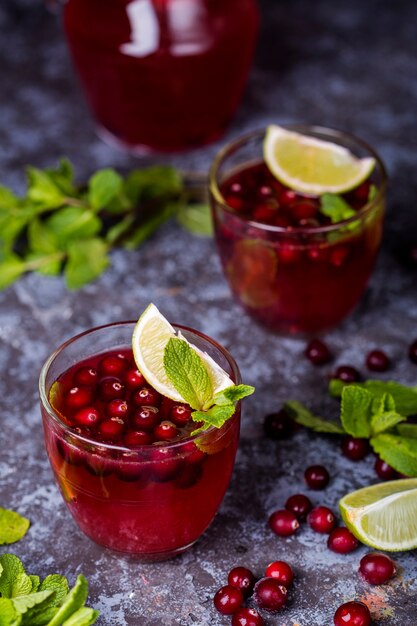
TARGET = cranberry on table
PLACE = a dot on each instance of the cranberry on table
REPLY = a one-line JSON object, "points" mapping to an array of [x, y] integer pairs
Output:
{"points": [[165, 431], [377, 361], [347, 374], [134, 378], [110, 389], [88, 416], [281, 571], [146, 418], [385, 471], [242, 578], [247, 617], [113, 365], [412, 352], [278, 425], [317, 352], [228, 600], [377, 568], [270, 595], [352, 614], [283, 523], [322, 519], [300, 505], [342, 541], [145, 396], [180, 414], [86, 376], [355, 448], [317, 477]]}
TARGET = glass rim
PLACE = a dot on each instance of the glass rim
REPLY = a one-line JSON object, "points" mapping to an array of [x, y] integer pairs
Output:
{"points": [[230, 147], [52, 414]]}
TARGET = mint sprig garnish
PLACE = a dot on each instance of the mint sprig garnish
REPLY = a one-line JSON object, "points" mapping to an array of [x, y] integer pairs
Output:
{"points": [[12, 526], [335, 207], [25, 601], [188, 373], [59, 226], [375, 410]]}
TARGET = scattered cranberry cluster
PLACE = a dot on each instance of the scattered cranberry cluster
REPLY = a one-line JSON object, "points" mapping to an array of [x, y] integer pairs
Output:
{"points": [[269, 593], [254, 193], [111, 402]]}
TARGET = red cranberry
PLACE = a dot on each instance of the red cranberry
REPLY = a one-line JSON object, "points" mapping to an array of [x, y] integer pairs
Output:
{"points": [[304, 210], [191, 454], [288, 252], [129, 468], [265, 213], [145, 396], [100, 463], [235, 188], [165, 431], [165, 465], [385, 471], [146, 418], [134, 378], [242, 578], [300, 505], [377, 361], [79, 397], [265, 191], [235, 202], [117, 408], [110, 389], [317, 352], [86, 376], [347, 374], [287, 197], [317, 477], [111, 428], [137, 438], [412, 352], [283, 523], [113, 365], [89, 416], [282, 221], [338, 255], [317, 253], [376, 568], [278, 425], [352, 614], [355, 448], [342, 541], [281, 571], [361, 193], [228, 600], [270, 595], [322, 520], [180, 414], [247, 617]]}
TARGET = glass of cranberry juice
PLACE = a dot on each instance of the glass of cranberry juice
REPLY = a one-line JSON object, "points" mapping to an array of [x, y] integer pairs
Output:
{"points": [[290, 268], [148, 498]]}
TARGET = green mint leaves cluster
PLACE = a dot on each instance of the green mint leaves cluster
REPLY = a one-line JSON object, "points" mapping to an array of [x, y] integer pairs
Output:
{"points": [[25, 600], [188, 374], [12, 526], [61, 227], [337, 209], [374, 410]]}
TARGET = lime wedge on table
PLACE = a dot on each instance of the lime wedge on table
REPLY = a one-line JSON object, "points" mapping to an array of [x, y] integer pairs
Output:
{"points": [[150, 336], [311, 165], [383, 516]]}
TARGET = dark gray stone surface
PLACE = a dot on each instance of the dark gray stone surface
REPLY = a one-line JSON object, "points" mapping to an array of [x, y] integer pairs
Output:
{"points": [[350, 65]]}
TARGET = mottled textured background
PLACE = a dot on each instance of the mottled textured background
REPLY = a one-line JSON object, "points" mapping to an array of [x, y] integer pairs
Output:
{"points": [[351, 65]]}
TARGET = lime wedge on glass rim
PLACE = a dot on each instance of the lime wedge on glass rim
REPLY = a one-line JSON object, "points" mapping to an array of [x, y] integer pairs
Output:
{"points": [[383, 516], [313, 166], [150, 337]]}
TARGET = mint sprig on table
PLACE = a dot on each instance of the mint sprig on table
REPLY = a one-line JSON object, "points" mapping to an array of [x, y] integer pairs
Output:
{"points": [[58, 226], [188, 374], [374, 410]]}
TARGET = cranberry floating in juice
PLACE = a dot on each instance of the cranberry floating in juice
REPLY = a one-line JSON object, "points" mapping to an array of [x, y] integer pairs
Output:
{"points": [[141, 470], [162, 74], [298, 217]]}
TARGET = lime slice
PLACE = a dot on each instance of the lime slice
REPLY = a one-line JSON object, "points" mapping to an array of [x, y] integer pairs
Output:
{"points": [[313, 166], [383, 516], [150, 336]]}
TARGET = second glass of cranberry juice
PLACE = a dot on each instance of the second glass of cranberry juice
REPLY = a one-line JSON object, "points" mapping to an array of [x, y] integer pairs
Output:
{"points": [[129, 485], [286, 263]]}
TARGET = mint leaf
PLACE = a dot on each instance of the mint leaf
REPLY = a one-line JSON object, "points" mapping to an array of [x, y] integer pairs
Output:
{"points": [[24, 603], [187, 372], [12, 568], [356, 411], [335, 207], [74, 600], [232, 394], [385, 416], [103, 186], [8, 614], [120, 229], [47, 264], [35, 580], [41, 238], [216, 416], [399, 452], [196, 218], [73, 223], [58, 584], [63, 177], [303, 416], [7, 198], [373, 192], [12, 526], [87, 260], [405, 398], [82, 617], [149, 226], [22, 585], [153, 182], [11, 268], [407, 430], [43, 188]]}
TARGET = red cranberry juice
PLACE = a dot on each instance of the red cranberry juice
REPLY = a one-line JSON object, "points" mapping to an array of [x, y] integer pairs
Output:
{"points": [[128, 489], [290, 280], [167, 74]]}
